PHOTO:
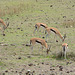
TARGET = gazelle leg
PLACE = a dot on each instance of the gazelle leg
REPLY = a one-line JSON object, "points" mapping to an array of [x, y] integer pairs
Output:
{"points": [[65, 52], [4, 27], [62, 53], [47, 36], [39, 50], [55, 37], [42, 49], [43, 30], [31, 49], [2, 31], [35, 30]]}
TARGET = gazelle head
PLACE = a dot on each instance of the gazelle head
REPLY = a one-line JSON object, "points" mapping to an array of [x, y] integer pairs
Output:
{"points": [[48, 49], [64, 37]]}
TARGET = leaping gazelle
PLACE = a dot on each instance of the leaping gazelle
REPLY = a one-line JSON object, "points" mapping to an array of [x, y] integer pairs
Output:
{"points": [[56, 31], [64, 49], [38, 25], [4, 25], [33, 41]]}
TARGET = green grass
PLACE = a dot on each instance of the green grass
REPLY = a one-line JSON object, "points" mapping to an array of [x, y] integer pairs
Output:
{"points": [[1, 63], [24, 15]]}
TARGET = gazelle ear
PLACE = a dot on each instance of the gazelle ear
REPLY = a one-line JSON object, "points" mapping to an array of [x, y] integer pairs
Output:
{"points": [[64, 36], [49, 47], [7, 24]]}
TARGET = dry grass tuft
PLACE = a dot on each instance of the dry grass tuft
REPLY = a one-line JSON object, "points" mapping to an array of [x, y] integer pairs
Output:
{"points": [[59, 55], [70, 55], [13, 8]]}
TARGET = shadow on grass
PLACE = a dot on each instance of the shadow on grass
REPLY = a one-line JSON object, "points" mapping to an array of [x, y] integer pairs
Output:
{"points": [[70, 56]]}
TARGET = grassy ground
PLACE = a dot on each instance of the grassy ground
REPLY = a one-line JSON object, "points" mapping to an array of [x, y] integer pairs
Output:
{"points": [[16, 57]]}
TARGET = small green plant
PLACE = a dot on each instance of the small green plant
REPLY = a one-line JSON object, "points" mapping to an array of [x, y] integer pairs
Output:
{"points": [[1, 63], [53, 65]]}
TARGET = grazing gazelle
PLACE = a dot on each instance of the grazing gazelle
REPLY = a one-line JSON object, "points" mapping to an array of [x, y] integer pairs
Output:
{"points": [[38, 25], [64, 49], [4, 25], [54, 30], [33, 41]]}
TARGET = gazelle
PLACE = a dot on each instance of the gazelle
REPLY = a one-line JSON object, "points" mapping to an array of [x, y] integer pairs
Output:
{"points": [[38, 25], [33, 41], [56, 31], [4, 25], [64, 49]]}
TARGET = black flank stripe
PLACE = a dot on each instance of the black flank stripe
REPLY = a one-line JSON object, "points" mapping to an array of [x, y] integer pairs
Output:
{"points": [[38, 41], [53, 30], [63, 48], [43, 26]]}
